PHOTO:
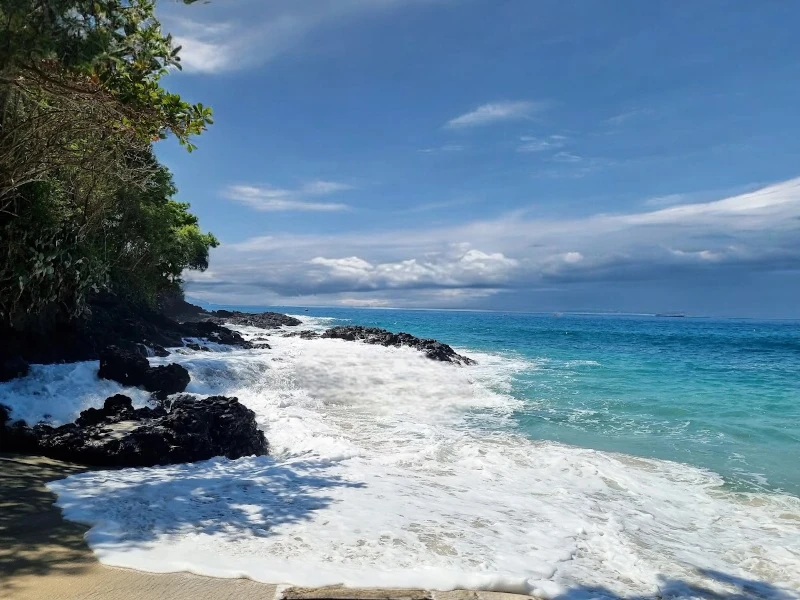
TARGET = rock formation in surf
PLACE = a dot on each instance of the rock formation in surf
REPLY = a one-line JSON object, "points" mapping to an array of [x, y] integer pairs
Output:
{"points": [[130, 368], [180, 310], [111, 322], [372, 335], [188, 429]]}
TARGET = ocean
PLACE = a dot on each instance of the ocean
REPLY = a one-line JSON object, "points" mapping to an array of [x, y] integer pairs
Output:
{"points": [[584, 456]]}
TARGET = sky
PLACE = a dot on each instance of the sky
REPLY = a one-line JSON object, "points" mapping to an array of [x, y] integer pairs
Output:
{"points": [[525, 155]]}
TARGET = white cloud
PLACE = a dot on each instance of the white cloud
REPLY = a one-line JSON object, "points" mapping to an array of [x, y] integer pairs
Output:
{"points": [[572, 166], [495, 112], [344, 267], [321, 188], [266, 198], [567, 157], [666, 200], [706, 255], [535, 144], [203, 56], [630, 115], [760, 206], [451, 268], [459, 264], [446, 148], [431, 206], [365, 302], [217, 38]]}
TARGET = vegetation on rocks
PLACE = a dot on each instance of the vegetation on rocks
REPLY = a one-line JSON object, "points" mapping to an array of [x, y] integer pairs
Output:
{"points": [[85, 206]]}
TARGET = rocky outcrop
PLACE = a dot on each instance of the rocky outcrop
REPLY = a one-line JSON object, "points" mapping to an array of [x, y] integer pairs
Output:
{"points": [[118, 435], [372, 335], [214, 332], [166, 380], [265, 320], [174, 306], [129, 368], [110, 321], [177, 308], [306, 334], [122, 366]]}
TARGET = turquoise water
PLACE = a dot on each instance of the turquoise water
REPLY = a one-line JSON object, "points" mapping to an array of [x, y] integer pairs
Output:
{"points": [[718, 394]]}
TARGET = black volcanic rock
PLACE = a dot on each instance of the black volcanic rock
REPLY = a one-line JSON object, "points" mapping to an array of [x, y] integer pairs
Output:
{"points": [[123, 366], [265, 320], [174, 306], [110, 321], [116, 408], [117, 435], [177, 308], [166, 380], [13, 367], [130, 368], [306, 334], [372, 335], [215, 332]]}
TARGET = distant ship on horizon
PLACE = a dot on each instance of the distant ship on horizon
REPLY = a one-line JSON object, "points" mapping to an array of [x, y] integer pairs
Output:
{"points": [[670, 314]]}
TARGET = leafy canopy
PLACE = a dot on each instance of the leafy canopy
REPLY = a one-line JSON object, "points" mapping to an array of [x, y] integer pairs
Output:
{"points": [[84, 204]]}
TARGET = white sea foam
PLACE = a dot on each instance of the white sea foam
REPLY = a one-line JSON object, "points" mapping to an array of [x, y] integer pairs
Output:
{"points": [[389, 469], [56, 394]]}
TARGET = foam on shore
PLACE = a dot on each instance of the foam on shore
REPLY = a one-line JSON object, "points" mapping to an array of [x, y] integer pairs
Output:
{"points": [[390, 469]]}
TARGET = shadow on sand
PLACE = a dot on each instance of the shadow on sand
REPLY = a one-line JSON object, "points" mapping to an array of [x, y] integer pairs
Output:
{"points": [[243, 498], [34, 538], [735, 588]]}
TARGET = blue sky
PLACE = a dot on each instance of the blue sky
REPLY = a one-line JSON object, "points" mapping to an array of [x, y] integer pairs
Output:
{"points": [[500, 154]]}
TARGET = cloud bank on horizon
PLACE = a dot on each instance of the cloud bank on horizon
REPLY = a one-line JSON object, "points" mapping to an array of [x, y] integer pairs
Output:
{"points": [[541, 155], [514, 254]]}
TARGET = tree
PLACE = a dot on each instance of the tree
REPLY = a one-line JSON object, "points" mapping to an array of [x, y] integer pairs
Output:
{"points": [[84, 205], [80, 86]]}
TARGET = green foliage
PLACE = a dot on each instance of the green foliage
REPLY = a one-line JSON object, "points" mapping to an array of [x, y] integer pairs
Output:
{"points": [[84, 205], [155, 240], [113, 46], [47, 271]]}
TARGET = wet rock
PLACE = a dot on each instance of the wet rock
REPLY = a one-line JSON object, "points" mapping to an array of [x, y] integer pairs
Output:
{"points": [[130, 368], [198, 347], [13, 367], [117, 435], [306, 334], [18, 437], [166, 380], [159, 351], [110, 321], [123, 366], [115, 409], [175, 307], [372, 335], [214, 332], [265, 320]]}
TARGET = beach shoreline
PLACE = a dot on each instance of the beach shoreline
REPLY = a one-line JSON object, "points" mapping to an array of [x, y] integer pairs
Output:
{"points": [[317, 512], [44, 556]]}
